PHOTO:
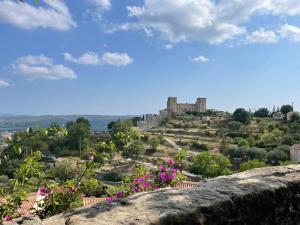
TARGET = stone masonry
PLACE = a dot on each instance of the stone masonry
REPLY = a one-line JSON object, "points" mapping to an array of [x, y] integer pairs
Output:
{"points": [[265, 196]]}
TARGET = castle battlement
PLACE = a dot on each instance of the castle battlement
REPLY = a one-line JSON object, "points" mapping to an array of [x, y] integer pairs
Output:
{"points": [[152, 120]]}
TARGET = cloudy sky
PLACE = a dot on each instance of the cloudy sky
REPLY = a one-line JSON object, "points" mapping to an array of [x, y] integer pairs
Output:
{"points": [[127, 57]]}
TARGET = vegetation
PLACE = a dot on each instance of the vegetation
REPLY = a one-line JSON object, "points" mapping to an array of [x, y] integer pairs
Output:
{"points": [[211, 165], [61, 163], [242, 116]]}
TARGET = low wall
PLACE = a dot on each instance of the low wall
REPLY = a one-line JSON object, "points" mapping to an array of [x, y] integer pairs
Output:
{"points": [[267, 196]]}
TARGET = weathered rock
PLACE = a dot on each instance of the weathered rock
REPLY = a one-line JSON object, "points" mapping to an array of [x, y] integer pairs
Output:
{"points": [[268, 196], [25, 221]]}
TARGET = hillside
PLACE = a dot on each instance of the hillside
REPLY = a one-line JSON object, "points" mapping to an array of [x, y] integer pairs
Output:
{"points": [[12, 123]]}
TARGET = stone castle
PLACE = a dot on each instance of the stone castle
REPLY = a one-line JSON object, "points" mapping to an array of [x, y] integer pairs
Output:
{"points": [[173, 108]]}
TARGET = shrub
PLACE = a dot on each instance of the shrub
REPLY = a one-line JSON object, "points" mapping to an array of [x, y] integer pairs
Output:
{"points": [[133, 150], [234, 125], [251, 165], [154, 142], [275, 156], [242, 116], [66, 169], [90, 187], [244, 143], [210, 165], [112, 176], [240, 152], [3, 179], [199, 146], [257, 153]]}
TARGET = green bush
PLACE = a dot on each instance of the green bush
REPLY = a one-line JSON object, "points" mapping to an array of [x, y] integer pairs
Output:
{"points": [[67, 169], [234, 125], [211, 165], [199, 146], [91, 187], [251, 165], [112, 176], [257, 153]]}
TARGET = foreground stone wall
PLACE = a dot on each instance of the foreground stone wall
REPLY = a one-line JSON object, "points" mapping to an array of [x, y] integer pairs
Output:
{"points": [[268, 196]]}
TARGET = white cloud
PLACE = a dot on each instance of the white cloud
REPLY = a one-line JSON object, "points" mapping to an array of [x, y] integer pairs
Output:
{"points": [[107, 58], [4, 83], [200, 59], [42, 67], [169, 46], [54, 15], [98, 7], [291, 32], [205, 20], [262, 36], [103, 4]]}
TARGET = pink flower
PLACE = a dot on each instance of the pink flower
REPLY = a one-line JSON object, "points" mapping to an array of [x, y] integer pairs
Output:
{"points": [[163, 177], [162, 168], [43, 191], [109, 199], [141, 179], [173, 170], [91, 156], [170, 162], [120, 194], [147, 177], [136, 189], [8, 218]]}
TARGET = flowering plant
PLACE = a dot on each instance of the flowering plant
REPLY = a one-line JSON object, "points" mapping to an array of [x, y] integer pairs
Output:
{"points": [[144, 181]]}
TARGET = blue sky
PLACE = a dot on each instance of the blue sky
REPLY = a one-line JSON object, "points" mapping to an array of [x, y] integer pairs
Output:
{"points": [[127, 57]]}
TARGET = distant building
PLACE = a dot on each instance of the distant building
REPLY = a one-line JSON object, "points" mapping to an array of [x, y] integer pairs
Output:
{"points": [[278, 116], [295, 153], [181, 108], [152, 120], [289, 115]]}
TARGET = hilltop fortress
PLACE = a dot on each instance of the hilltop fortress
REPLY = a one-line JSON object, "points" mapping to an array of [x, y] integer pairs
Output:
{"points": [[173, 108]]}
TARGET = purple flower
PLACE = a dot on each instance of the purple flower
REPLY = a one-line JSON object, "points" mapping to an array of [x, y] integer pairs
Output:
{"points": [[8, 218], [146, 185], [120, 194], [170, 162], [70, 190], [163, 177], [109, 199], [173, 170], [141, 179], [136, 189], [43, 191], [162, 168]]}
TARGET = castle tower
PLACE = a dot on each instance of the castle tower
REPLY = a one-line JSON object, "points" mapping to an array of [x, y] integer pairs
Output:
{"points": [[172, 105], [201, 105]]}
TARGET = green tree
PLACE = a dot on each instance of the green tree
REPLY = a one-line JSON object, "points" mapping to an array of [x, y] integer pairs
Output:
{"points": [[123, 134], [262, 113], [251, 165], [211, 165], [154, 142], [286, 108], [241, 115], [111, 125], [78, 137], [295, 117], [234, 125], [257, 153], [133, 150]]}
